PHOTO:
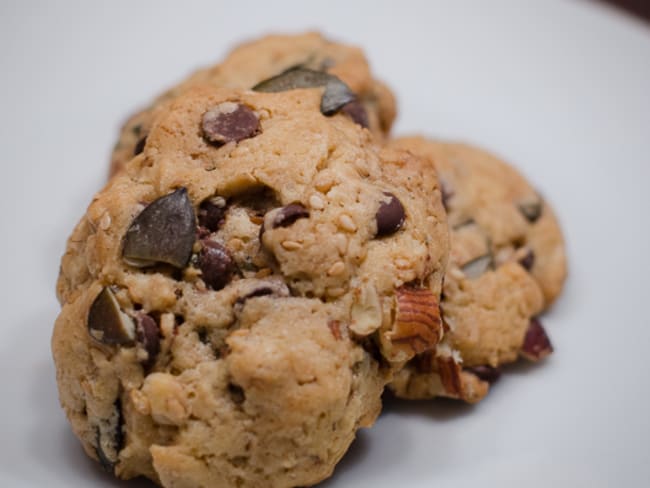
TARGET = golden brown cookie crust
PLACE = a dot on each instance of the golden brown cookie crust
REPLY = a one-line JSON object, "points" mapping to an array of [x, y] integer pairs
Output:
{"points": [[493, 287], [260, 59], [265, 381]]}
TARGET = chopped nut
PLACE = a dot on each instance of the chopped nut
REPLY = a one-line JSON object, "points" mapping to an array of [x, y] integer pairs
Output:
{"points": [[166, 399], [449, 371], [335, 328], [418, 325], [140, 402], [366, 312]]}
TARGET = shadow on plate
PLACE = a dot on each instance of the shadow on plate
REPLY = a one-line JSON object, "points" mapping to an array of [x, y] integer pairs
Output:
{"points": [[437, 409]]}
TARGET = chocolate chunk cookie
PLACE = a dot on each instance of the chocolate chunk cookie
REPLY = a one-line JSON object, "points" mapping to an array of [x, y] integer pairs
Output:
{"points": [[507, 263], [236, 298], [281, 62]]}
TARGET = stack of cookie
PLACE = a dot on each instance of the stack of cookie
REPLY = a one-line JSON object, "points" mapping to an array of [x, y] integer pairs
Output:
{"points": [[265, 261]]}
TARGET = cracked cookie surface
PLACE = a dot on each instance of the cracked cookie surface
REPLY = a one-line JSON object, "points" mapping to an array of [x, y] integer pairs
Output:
{"points": [[507, 264], [233, 306], [253, 62]]}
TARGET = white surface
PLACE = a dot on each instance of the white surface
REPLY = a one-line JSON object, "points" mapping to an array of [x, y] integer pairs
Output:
{"points": [[560, 88]]}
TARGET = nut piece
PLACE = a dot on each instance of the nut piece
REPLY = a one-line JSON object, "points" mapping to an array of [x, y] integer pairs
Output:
{"points": [[107, 323], [450, 375], [390, 216], [336, 94], [229, 122], [418, 326], [536, 345], [457, 383], [531, 209], [476, 267], [335, 328], [366, 313], [216, 264], [164, 232], [289, 214]]}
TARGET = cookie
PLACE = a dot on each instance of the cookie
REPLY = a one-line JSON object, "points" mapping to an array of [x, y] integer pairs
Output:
{"points": [[507, 263], [250, 64], [235, 300]]}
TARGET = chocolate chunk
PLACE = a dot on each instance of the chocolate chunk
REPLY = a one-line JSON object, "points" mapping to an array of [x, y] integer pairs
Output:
{"points": [[292, 79], [148, 335], [390, 216], [486, 373], [289, 214], [212, 213], [476, 267], [357, 112], [164, 232], [229, 122], [536, 345], [107, 464], [109, 439], [139, 147], [107, 323], [265, 288], [216, 264], [528, 261], [336, 94], [236, 393], [531, 209]]}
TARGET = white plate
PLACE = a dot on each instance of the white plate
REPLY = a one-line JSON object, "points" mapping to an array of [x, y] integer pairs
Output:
{"points": [[560, 88]]}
